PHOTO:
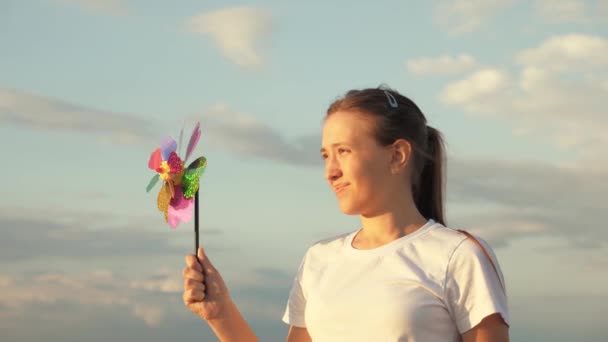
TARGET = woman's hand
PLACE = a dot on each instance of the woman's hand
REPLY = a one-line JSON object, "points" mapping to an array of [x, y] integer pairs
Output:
{"points": [[205, 292]]}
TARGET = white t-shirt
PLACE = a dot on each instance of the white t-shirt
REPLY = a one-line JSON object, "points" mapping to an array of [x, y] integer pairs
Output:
{"points": [[428, 286]]}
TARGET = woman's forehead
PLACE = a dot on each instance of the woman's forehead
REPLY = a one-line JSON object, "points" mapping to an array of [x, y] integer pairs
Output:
{"points": [[346, 127]]}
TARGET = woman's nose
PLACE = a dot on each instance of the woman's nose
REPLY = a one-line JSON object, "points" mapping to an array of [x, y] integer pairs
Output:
{"points": [[332, 170]]}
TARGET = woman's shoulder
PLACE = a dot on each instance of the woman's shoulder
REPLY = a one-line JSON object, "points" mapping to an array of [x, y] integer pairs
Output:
{"points": [[330, 244], [462, 247], [460, 237], [446, 241], [326, 248], [443, 236]]}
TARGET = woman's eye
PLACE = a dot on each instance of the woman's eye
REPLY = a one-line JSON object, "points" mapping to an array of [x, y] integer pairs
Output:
{"points": [[342, 150]]}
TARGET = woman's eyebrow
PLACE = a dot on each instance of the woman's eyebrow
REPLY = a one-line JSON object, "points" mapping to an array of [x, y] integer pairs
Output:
{"points": [[323, 149]]}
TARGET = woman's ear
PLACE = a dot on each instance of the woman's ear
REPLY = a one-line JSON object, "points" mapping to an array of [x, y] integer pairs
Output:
{"points": [[401, 152]]}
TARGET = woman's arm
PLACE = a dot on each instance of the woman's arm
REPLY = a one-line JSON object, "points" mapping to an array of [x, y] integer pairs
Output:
{"points": [[490, 329], [206, 294], [232, 327], [298, 334]]}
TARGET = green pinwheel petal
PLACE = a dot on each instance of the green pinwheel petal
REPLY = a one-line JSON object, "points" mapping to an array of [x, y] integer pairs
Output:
{"points": [[199, 164], [152, 183], [191, 177]]}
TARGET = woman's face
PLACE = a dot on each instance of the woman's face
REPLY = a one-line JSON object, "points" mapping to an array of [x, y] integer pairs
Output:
{"points": [[356, 167]]}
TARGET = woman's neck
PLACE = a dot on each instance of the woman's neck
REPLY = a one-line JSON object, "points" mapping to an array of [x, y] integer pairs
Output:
{"points": [[381, 228]]}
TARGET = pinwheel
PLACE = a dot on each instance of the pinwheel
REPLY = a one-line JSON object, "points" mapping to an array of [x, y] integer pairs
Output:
{"points": [[179, 191]]}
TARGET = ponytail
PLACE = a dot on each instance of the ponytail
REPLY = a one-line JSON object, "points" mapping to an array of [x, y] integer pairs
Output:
{"points": [[429, 192]]}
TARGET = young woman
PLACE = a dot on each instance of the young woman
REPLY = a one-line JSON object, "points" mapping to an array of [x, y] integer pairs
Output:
{"points": [[404, 275]]}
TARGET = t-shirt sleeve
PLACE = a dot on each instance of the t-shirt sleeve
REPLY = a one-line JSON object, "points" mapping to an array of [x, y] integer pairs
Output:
{"points": [[296, 303], [473, 290]]}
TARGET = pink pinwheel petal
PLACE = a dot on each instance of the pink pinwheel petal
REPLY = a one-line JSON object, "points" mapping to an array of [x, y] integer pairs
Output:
{"points": [[168, 145], [180, 209], [177, 215], [155, 159], [175, 164], [196, 134]]}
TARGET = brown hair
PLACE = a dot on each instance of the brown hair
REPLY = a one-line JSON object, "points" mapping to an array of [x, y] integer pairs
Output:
{"points": [[398, 117]]}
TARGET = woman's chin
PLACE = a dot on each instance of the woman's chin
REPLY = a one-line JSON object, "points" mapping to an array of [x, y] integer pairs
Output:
{"points": [[349, 209]]}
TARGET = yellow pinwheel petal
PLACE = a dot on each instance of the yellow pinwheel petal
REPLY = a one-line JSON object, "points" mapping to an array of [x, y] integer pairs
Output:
{"points": [[164, 198]]}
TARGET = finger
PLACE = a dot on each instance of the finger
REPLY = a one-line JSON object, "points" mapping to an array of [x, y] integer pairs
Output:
{"points": [[190, 273], [191, 296], [190, 284], [192, 262]]}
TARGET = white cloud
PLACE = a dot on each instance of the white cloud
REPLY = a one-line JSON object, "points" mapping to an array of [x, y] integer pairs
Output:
{"points": [[150, 314], [464, 16], [43, 113], [100, 288], [89, 289], [557, 95], [568, 52], [237, 31], [115, 7], [59, 233], [474, 91], [165, 284], [245, 135], [558, 317], [242, 134], [441, 65], [505, 200]]}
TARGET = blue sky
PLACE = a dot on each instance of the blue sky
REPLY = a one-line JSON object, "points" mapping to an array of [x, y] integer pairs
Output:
{"points": [[88, 88]]}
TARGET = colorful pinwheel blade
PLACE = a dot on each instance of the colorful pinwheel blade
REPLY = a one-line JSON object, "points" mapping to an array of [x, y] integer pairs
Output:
{"points": [[155, 159], [199, 164], [179, 145], [180, 209], [153, 182], [164, 199], [168, 145], [191, 177], [196, 134]]}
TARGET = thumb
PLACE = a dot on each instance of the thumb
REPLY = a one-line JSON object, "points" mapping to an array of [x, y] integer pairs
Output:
{"points": [[204, 260]]}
